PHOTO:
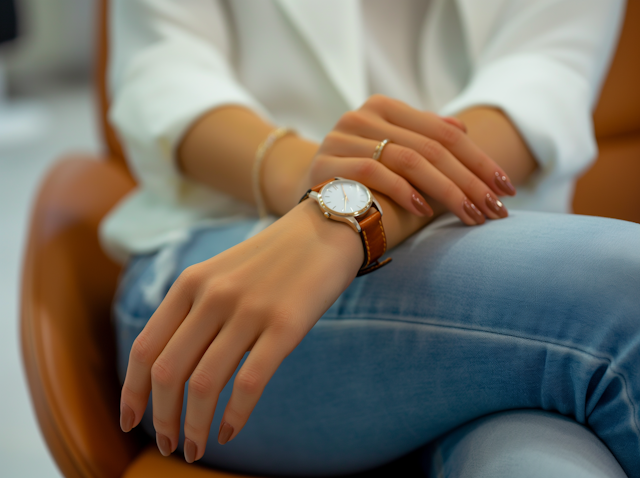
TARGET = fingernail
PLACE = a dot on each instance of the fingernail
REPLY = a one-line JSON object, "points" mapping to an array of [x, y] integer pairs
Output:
{"points": [[473, 212], [421, 205], [496, 206], [190, 451], [164, 445], [455, 122], [504, 184], [126, 417], [226, 431]]}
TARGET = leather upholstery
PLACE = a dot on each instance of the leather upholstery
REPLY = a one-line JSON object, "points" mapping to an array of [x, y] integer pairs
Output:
{"points": [[68, 282], [611, 188]]}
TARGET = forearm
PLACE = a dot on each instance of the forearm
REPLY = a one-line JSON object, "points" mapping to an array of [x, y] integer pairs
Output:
{"points": [[497, 136], [219, 151]]}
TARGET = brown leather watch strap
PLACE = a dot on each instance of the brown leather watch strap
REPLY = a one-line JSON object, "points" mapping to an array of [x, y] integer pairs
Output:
{"points": [[374, 241]]}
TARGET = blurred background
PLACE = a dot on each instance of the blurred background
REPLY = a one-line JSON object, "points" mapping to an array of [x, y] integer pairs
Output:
{"points": [[47, 109]]}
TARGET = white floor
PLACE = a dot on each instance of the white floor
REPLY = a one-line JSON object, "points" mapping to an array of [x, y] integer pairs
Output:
{"points": [[69, 126]]}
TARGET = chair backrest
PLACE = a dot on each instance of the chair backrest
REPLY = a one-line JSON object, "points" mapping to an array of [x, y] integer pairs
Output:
{"points": [[67, 339], [611, 187]]}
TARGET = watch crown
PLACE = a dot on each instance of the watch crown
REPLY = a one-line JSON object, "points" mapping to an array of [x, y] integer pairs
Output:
{"points": [[327, 215]]}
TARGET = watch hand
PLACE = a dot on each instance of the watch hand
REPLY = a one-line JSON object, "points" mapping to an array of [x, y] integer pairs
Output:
{"points": [[345, 198]]}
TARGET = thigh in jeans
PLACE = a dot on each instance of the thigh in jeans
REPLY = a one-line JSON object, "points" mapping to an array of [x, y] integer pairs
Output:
{"points": [[536, 311]]}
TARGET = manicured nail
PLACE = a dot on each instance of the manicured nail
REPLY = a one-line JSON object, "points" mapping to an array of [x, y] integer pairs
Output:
{"points": [[190, 451], [126, 417], [504, 184], [164, 445], [421, 205], [473, 212], [226, 431], [496, 206], [455, 122]]}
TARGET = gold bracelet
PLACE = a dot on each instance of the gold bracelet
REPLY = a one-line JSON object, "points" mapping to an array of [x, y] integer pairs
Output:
{"points": [[261, 152]]}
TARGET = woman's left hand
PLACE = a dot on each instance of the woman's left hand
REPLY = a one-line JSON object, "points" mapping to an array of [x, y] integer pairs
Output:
{"points": [[262, 296]]}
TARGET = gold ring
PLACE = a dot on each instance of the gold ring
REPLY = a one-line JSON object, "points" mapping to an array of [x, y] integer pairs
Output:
{"points": [[379, 148]]}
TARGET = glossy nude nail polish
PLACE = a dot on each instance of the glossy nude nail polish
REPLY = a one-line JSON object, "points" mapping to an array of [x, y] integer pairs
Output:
{"points": [[496, 206], [504, 184], [127, 417], [421, 205], [190, 451], [164, 445], [473, 212], [226, 431]]}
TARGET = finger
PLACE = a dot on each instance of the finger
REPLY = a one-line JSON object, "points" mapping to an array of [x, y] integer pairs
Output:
{"points": [[474, 188], [207, 381], [376, 176], [459, 144], [457, 122], [146, 349], [404, 156], [178, 360], [430, 180], [264, 359]]}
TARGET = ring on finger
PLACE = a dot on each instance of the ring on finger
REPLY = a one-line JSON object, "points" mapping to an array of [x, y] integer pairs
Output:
{"points": [[378, 152]]}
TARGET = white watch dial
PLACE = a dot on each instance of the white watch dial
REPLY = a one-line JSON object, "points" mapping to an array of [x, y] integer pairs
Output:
{"points": [[346, 197]]}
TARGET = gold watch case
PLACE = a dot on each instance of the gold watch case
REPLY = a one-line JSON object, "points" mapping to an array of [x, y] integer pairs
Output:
{"points": [[349, 217]]}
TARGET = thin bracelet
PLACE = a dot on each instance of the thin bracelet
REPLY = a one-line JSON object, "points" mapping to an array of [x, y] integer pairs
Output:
{"points": [[261, 152]]}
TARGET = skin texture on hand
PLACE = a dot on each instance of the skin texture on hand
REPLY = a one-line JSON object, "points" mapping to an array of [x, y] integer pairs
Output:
{"points": [[253, 297]]}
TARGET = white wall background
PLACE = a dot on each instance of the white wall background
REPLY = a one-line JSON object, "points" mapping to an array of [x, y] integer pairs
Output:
{"points": [[49, 68]]}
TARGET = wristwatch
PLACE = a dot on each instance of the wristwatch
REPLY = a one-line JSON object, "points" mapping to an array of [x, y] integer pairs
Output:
{"points": [[351, 202]]}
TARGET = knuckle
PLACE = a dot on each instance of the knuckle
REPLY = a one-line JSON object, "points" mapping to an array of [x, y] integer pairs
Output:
{"points": [[248, 382], [366, 169], [450, 192], [432, 150], [142, 351], [473, 184], [378, 101], [408, 159], [189, 278], [351, 120], [197, 430], [217, 292], [161, 423], [333, 139], [398, 186], [162, 374], [448, 134], [201, 385]]}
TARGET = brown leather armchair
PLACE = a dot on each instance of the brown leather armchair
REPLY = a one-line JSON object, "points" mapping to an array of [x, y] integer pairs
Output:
{"points": [[68, 283]]}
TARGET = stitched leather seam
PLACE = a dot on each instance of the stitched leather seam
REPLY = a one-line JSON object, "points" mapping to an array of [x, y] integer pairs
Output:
{"points": [[366, 243], [384, 238]]}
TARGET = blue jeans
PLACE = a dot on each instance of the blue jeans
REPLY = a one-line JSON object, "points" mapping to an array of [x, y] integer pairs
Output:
{"points": [[538, 311]]}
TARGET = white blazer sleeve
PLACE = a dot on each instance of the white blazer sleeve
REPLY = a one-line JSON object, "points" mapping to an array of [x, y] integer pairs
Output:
{"points": [[542, 63], [170, 63]]}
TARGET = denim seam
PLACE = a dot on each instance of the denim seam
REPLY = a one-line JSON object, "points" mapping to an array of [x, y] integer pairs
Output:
{"points": [[407, 320]]}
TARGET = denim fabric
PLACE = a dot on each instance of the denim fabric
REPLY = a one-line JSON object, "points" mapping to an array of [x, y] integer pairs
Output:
{"points": [[537, 311]]}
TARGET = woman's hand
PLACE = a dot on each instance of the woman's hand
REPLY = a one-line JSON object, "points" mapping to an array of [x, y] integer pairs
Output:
{"points": [[427, 152], [262, 296]]}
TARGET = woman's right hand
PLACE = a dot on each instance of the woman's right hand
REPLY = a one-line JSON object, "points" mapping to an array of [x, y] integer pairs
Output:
{"points": [[426, 152]]}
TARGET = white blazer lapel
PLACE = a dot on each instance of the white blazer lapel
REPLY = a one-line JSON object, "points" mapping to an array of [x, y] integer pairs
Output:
{"points": [[333, 31]]}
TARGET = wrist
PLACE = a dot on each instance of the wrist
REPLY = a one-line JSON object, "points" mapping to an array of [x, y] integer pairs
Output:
{"points": [[284, 170], [331, 240]]}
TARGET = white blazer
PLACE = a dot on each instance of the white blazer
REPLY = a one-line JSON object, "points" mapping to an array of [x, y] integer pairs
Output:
{"points": [[301, 63]]}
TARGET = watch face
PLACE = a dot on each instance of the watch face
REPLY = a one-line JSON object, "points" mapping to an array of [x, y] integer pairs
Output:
{"points": [[345, 197]]}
